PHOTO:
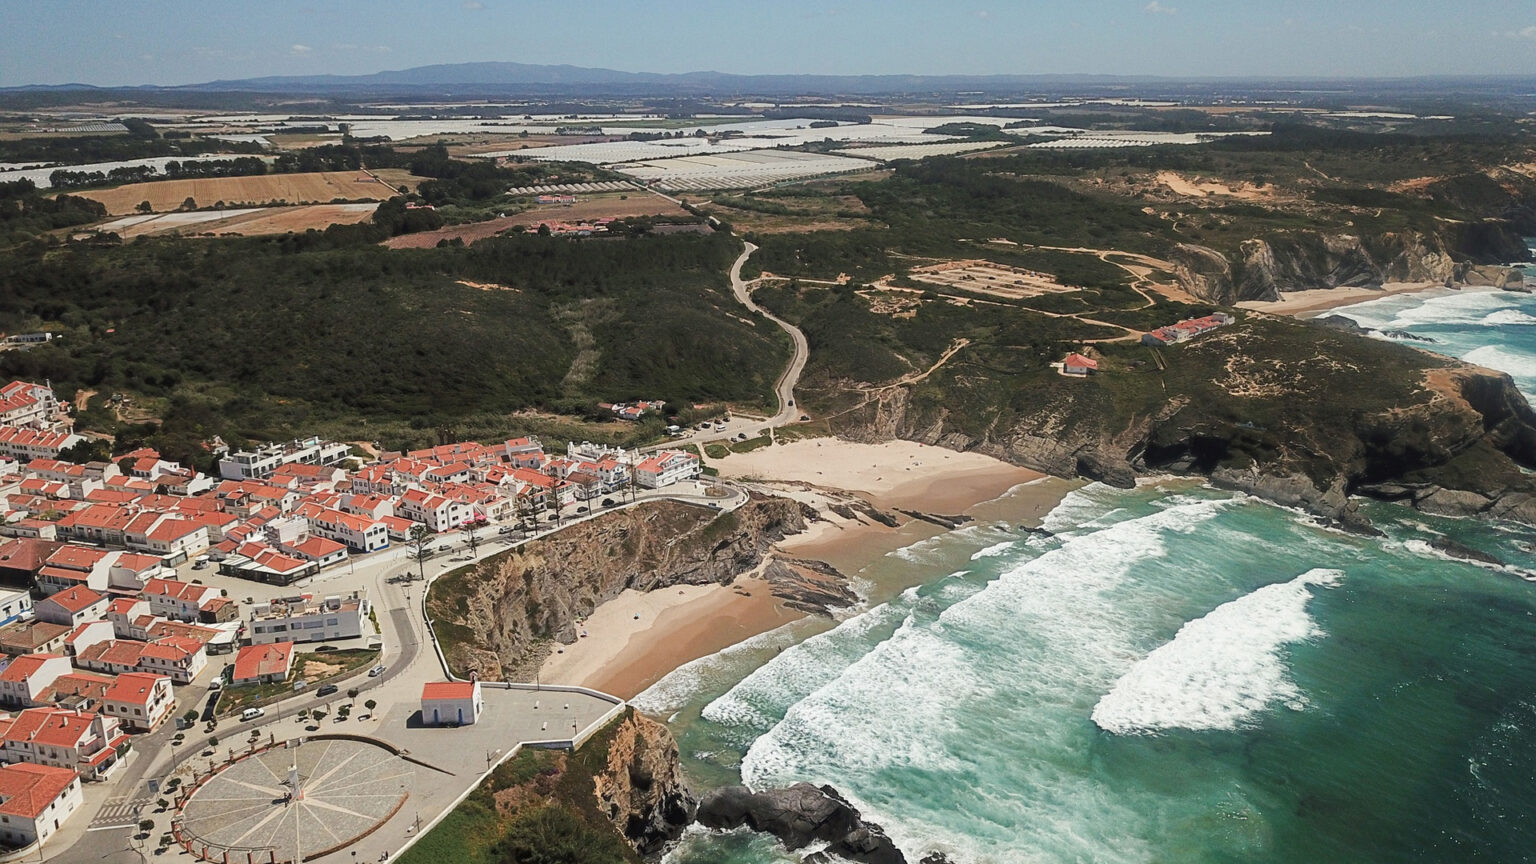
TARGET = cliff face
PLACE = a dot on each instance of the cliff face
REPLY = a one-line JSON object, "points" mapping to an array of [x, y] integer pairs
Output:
{"points": [[1265, 268], [641, 789], [492, 615], [1309, 426]]}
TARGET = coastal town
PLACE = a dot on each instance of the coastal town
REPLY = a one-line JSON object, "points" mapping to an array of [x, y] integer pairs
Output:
{"points": [[140, 598]]}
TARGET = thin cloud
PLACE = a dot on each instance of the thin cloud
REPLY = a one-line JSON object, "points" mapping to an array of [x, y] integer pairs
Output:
{"points": [[299, 48], [1522, 33], [472, 5], [1156, 8]]}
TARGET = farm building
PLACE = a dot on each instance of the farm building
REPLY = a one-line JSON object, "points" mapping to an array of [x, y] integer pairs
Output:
{"points": [[1079, 366]]}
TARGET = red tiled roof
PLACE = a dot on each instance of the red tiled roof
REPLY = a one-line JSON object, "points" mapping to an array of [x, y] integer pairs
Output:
{"points": [[134, 688], [254, 661], [26, 790], [76, 598], [447, 690]]}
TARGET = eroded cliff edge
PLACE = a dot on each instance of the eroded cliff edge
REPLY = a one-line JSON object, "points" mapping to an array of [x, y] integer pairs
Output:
{"points": [[1291, 412], [498, 618]]}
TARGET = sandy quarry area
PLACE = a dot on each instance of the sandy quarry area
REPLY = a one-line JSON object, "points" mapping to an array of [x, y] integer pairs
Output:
{"points": [[985, 277], [317, 188]]}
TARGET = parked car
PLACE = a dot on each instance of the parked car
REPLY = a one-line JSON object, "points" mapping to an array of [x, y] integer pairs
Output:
{"points": [[376, 671], [326, 690], [251, 714], [215, 684], [326, 648]]}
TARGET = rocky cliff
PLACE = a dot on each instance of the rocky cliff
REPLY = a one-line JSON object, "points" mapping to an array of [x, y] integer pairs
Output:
{"points": [[497, 617], [1264, 268], [1302, 415], [641, 788]]}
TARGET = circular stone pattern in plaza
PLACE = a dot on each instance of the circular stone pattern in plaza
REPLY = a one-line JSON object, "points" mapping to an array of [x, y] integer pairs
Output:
{"points": [[346, 788]]}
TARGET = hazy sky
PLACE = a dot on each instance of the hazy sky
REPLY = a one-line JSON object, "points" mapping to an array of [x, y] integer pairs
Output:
{"points": [[188, 41]]}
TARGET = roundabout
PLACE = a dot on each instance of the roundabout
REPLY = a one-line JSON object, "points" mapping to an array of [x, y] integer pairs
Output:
{"points": [[293, 801]]}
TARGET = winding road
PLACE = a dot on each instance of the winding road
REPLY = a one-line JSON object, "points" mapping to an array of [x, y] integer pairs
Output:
{"points": [[785, 388]]}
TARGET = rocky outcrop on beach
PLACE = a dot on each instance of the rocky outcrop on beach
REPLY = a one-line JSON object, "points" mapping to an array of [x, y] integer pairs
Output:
{"points": [[798, 816], [809, 586], [641, 788], [1265, 268], [498, 617]]}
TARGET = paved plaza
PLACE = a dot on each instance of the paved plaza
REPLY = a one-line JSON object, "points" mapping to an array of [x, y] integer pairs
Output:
{"points": [[347, 787]]}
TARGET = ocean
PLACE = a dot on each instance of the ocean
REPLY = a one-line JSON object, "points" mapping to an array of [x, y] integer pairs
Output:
{"points": [[1179, 674]]}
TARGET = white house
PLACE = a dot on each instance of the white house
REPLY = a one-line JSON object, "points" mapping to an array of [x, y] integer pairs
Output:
{"points": [[451, 703], [263, 462], [666, 467], [71, 606], [263, 664], [434, 511], [14, 603], [360, 533], [85, 741], [26, 676], [140, 700], [304, 619], [35, 800], [177, 600]]}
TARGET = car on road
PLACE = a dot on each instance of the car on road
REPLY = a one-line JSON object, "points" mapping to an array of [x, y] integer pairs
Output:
{"points": [[326, 648], [251, 714], [505, 529], [376, 671], [583, 509], [326, 690], [607, 502], [791, 403]]}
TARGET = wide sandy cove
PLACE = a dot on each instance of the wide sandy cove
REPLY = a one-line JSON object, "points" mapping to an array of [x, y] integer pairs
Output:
{"points": [[635, 639], [1306, 304]]}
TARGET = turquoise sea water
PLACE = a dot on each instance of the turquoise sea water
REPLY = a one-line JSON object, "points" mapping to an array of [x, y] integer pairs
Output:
{"points": [[1180, 675]]}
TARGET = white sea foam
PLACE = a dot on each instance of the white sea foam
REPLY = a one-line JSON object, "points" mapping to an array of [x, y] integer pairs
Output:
{"points": [[1504, 359], [1220, 670], [1508, 317], [940, 702], [994, 550], [682, 684], [758, 700]]}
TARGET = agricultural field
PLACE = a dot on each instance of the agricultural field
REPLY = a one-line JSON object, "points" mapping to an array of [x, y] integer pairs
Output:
{"points": [[247, 222], [318, 188], [915, 151]]}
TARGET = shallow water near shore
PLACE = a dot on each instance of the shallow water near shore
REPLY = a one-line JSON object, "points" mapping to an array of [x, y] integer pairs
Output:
{"points": [[1179, 675]]}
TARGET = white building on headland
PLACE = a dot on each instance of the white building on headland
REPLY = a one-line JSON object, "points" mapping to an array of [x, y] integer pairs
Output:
{"points": [[260, 464]]}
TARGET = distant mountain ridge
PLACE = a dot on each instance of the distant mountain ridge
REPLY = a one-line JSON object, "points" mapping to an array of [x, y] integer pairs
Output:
{"points": [[502, 78]]}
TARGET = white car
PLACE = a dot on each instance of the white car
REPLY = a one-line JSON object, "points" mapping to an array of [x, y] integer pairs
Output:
{"points": [[251, 714], [376, 671]]}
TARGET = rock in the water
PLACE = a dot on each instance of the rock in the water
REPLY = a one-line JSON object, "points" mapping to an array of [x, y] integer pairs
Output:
{"points": [[1340, 322], [799, 815], [1464, 552]]}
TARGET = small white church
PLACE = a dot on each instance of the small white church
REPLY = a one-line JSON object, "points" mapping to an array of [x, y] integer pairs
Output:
{"points": [[451, 703]]}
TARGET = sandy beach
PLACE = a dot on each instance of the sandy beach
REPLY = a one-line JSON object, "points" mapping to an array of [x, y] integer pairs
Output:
{"points": [[637, 638], [1307, 304], [634, 639], [894, 474]]}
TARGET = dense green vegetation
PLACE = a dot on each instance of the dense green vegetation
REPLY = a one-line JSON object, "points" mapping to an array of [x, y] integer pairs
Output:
{"points": [[24, 213], [536, 808], [269, 337]]}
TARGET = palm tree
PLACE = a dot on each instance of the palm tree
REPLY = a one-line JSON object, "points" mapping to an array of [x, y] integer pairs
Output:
{"points": [[421, 540]]}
